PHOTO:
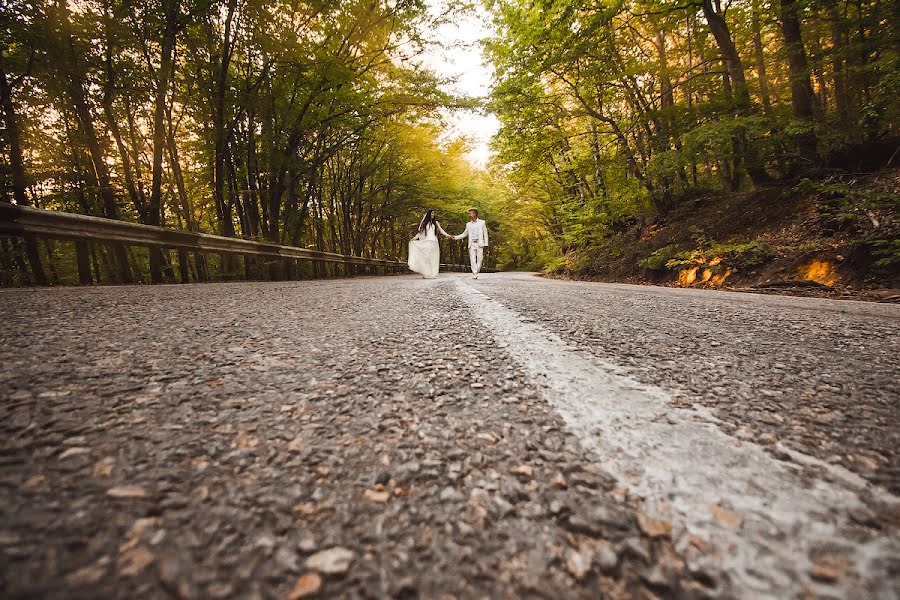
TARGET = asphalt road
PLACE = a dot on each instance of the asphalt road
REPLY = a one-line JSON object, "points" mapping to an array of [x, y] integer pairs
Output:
{"points": [[510, 437]]}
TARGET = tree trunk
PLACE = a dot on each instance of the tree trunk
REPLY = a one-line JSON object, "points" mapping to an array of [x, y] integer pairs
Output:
{"points": [[17, 168], [739, 90], [66, 58], [154, 209], [801, 86], [760, 60], [837, 61]]}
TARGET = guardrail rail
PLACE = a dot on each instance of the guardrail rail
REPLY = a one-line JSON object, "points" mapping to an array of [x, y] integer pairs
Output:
{"points": [[18, 220]]}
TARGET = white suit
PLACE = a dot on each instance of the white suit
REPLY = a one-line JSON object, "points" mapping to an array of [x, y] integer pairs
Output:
{"points": [[478, 241]]}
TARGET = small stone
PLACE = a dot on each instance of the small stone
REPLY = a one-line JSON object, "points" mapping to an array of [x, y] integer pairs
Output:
{"points": [[307, 543], [656, 578], [286, 559], [104, 467], [559, 482], [578, 564], [142, 526], [201, 494], [868, 463], [74, 451], [86, 576], [307, 585], [220, 590], [33, 482], [295, 445], [725, 517], [605, 556], [245, 441], [126, 491], [382, 478], [371, 495], [633, 547], [449, 494], [134, 561], [653, 527], [523, 471], [477, 385], [334, 561], [174, 569], [306, 509], [266, 542]]}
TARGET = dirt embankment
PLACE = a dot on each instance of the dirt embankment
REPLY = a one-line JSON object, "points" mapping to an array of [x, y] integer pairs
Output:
{"points": [[836, 237]]}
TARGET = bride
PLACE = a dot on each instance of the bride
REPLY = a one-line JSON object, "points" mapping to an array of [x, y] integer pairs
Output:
{"points": [[424, 251]]}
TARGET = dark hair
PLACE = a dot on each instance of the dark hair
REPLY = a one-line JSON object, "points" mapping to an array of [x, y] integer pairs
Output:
{"points": [[474, 210], [428, 219]]}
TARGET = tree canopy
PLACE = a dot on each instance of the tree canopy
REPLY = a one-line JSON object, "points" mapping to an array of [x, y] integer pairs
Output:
{"points": [[306, 123], [615, 109]]}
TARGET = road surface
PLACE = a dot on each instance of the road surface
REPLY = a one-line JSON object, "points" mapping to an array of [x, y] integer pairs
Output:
{"points": [[510, 437]]}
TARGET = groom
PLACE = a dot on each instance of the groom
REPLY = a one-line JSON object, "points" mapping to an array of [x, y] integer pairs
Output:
{"points": [[478, 240]]}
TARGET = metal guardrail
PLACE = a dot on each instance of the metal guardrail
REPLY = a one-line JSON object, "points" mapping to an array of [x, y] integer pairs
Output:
{"points": [[18, 220]]}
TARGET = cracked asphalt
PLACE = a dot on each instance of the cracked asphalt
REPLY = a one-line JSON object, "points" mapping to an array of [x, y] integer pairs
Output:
{"points": [[369, 438]]}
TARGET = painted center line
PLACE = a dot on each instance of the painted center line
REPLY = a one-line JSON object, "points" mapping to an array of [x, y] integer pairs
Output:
{"points": [[761, 520]]}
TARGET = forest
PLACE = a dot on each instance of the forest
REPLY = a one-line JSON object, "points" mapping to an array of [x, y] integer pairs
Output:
{"points": [[313, 123], [616, 111], [308, 124]]}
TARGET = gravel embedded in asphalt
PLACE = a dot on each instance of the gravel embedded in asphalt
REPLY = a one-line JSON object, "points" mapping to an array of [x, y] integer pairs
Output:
{"points": [[822, 376], [214, 441]]}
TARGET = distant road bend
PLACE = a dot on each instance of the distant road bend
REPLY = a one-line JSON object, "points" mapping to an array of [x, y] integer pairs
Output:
{"points": [[510, 437]]}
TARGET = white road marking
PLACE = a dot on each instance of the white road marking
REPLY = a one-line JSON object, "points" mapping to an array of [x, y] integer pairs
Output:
{"points": [[680, 463]]}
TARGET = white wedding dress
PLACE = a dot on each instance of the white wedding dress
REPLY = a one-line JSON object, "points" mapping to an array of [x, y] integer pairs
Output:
{"points": [[425, 252]]}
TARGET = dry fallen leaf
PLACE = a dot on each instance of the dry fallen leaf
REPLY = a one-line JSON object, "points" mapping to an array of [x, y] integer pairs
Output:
{"points": [[725, 517], [134, 561], [654, 527], [245, 441], [376, 496], [823, 572], [104, 467], [33, 482], [86, 576], [307, 585]]}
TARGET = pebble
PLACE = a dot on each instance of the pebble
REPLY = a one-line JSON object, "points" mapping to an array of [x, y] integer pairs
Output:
{"points": [[559, 481], [578, 563], [86, 576], [653, 527], [449, 494], [524, 471], [73, 451], [307, 543], [317, 426], [126, 491], [334, 561], [133, 561]]}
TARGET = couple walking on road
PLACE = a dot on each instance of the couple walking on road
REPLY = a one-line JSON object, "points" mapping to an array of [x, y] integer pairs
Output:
{"points": [[425, 253]]}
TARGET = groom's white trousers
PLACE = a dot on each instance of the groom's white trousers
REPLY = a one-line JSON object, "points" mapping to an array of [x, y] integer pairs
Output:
{"points": [[476, 257]]}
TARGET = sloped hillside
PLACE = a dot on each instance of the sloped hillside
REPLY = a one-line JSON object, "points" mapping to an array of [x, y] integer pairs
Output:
{"points": [[837, 237]]}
